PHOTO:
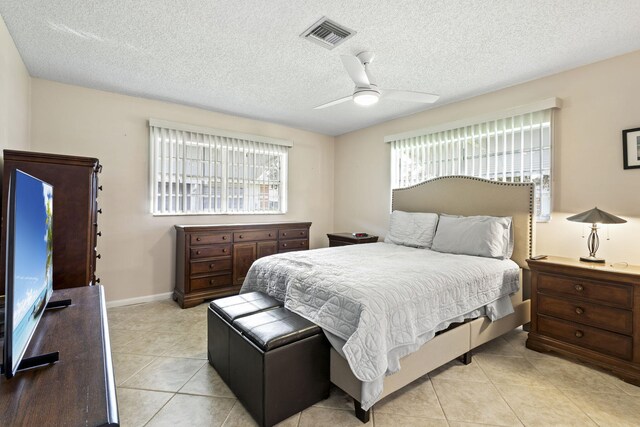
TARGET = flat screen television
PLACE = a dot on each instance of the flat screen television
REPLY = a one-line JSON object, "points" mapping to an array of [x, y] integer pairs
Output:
{"points": [[29, 263]]}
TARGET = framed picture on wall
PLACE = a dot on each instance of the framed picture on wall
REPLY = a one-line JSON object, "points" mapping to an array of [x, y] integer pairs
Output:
{"points": [[631, 148]]}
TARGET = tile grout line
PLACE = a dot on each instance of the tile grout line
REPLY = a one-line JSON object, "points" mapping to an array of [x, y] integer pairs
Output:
{"points": [[446, 419], [499, 393], [160, 409], [230, 411], [136, 372]]}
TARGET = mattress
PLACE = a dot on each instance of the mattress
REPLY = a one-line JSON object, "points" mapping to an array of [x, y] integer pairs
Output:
{"points": [[383, 300]]}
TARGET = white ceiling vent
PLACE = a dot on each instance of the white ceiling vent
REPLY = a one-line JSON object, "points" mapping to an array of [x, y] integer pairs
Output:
{"points": [[327, 33]]}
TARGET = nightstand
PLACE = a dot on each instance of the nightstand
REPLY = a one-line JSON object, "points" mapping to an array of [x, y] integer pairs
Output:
{"points": [[588, 312], [343, 239]]}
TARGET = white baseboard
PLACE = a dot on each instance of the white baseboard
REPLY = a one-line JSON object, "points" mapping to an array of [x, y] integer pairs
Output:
{"points": [[139, 300]]}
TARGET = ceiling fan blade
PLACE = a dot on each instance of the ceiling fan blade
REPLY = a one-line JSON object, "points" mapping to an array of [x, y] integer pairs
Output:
{"points": [[411, 96], [356, 70], [335, 102]]}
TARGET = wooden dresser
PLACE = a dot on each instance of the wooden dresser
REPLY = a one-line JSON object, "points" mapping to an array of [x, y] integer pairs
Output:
{"points": [[587, 311], [75, 212], [213, 260], [79, 389]]}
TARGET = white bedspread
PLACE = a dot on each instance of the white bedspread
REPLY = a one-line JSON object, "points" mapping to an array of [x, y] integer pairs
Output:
{"points": [[384, 300]]}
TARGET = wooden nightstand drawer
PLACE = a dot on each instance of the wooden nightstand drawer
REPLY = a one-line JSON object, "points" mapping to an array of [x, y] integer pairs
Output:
{"points": [[210, 251], [294, 233], [607, 293], [210, 282], [605, 342], [609, 318], [293, 245], [209, 239], [252, 236], [210, 266]]}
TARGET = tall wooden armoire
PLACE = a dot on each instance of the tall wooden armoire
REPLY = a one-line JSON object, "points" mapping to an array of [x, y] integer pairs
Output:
{"points": [[75, 212]]}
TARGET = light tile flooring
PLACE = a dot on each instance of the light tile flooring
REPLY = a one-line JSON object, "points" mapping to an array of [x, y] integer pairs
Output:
{"points": [[163, 379]]}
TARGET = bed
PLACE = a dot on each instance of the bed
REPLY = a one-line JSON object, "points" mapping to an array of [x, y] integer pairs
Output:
{"points": [[373, 355]]}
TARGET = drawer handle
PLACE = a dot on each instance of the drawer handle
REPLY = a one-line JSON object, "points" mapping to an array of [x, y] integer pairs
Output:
{"points": [[197, 252], [99, 233], [212, 281], [100, 210], [284, 245], [241, 236], [578, 287], [224, 237], [97, 280], [302, 233], [579, 334], [197, 239], [212, 265], [284, 234], [269, 234], [579, 310], [224, 251], [100, 188], [301, 243]]}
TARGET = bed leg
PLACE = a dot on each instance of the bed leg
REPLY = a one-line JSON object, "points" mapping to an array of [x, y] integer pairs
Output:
{"points": [[466, 358], [361, 414]]}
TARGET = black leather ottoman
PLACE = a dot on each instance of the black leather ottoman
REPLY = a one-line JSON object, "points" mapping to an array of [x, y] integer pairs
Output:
{"points": [[222, 312], [279, 364]]}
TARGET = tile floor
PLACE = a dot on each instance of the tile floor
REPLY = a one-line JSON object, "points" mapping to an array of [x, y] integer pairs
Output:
{"points": [[163, 379]]}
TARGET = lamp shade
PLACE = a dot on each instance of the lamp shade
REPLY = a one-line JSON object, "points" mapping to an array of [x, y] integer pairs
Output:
{"points": [[596, 216]]}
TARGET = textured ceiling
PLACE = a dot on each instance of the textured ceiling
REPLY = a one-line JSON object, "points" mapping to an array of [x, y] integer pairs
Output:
{"points": [[245, 57]]}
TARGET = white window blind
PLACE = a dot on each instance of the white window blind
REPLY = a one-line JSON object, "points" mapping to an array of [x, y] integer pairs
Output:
{"points": [[205, 171], [512, 149]]}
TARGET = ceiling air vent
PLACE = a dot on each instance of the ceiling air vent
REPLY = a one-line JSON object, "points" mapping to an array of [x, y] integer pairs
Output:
{"points": [[327, 33]]}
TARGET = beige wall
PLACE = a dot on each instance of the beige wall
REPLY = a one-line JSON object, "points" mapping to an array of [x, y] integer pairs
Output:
{"points": [[600, 100], [15, 87], [138, 249]]}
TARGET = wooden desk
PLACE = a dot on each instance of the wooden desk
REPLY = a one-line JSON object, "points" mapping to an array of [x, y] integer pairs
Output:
{"points": [[80, 389]]}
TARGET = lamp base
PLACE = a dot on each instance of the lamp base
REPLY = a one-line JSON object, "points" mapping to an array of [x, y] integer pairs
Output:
{"points": [[592, 259]]}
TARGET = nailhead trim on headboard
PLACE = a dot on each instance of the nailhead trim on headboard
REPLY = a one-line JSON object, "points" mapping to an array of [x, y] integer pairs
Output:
{"points": [[531, 186]]}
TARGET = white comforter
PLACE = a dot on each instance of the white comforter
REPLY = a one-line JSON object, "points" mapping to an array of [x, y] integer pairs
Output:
{"points": [[384, 300]]}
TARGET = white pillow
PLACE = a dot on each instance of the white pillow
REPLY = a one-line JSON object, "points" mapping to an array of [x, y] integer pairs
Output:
{"points": [[415, 229], [486, 236]]}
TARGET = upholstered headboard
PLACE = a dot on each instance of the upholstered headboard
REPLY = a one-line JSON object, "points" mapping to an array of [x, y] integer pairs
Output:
{"points": [[464, 195]]}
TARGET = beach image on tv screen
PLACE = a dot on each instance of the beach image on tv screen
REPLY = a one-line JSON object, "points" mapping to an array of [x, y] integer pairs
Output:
{"points": [[33, 264]]}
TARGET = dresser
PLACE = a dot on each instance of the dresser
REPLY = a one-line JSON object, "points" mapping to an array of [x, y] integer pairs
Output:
{"points": [[213, 260], [589, 312], [344, 239], [75, 212]]}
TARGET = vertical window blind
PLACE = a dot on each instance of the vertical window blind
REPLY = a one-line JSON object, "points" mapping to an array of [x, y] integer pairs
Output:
{"points": [[205, 171], [517, 148]]}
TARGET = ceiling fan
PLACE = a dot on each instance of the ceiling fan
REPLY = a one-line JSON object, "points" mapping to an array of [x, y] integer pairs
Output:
{"points": [[367, 91]]}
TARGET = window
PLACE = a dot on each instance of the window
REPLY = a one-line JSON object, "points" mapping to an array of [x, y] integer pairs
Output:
{"points": [[206, 171], [511, 148]]}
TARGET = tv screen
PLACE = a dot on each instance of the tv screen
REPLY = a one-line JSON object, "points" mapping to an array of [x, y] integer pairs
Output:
{"points": [[29, 266]]}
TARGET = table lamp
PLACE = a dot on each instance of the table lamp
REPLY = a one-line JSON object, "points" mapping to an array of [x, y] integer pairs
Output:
{"points": [[594, 217]]}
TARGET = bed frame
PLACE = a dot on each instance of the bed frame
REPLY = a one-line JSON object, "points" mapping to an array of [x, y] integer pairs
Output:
{"points": [[456, 195]]}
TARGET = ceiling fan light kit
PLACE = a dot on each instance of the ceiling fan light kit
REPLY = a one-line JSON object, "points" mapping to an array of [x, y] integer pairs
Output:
{"points": [[366, 97], [366, 91]]}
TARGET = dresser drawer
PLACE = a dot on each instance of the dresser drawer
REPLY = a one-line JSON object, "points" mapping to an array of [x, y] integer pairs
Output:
{"points": [[209, 238], [250, 236], [210, 251], [201, 267], [209, 282], [293, 245], [604, 342], [608, 293], [296, 233], [612, 319]]}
